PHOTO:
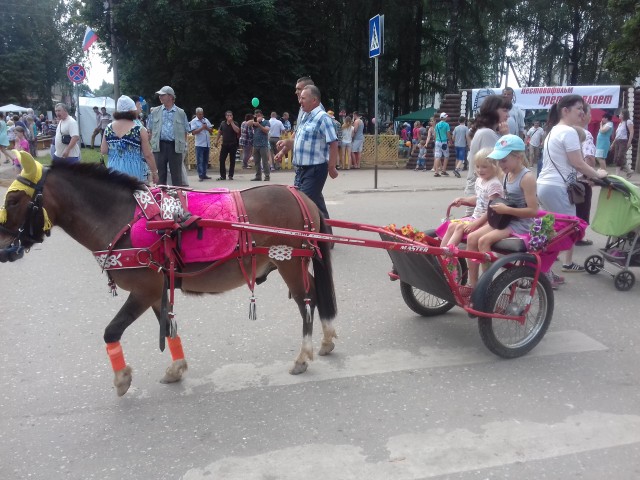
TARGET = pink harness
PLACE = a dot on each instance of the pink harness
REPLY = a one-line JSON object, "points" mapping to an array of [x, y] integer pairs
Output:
{"points": [[175, 226]]}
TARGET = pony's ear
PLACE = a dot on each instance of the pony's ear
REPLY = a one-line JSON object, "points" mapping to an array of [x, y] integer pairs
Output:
{"points": [[29, 167]]}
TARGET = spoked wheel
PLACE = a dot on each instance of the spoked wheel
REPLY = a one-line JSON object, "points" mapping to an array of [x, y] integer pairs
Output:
{"points": [[624, 280], [594, 264], [508, 295], [423, 303], [426, 304]]}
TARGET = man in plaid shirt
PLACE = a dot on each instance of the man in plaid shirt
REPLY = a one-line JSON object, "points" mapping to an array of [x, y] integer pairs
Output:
{"points": [[315, 148]]}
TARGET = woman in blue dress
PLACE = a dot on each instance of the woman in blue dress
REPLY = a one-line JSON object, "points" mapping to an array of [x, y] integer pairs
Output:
{"points": [[603, 141], [126, 142]]}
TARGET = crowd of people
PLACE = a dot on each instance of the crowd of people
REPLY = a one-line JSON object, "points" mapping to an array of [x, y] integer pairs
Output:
{"points": [[537, 174], [20, 132], [531, 167]]}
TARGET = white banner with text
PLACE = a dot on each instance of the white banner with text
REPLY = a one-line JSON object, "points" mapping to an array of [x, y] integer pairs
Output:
{"points": [[535, 98]]}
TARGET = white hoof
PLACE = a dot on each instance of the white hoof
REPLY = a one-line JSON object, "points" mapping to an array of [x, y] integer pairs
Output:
{"points": [[122, 380], [174, 371]]}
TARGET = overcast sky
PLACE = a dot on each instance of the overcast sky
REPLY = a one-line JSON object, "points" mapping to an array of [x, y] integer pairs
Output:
{"points": [[96, 69]]}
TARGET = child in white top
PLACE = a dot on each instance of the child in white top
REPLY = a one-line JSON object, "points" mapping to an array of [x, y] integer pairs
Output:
{"points": [[487, 187]]}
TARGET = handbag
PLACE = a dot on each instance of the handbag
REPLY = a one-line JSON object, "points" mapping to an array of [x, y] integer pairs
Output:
{"points": [[500, 221], [575, 189], [576, 192], [66, 139]]}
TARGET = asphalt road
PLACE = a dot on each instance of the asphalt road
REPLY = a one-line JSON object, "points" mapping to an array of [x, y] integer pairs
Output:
{"points": [[401, 397]]}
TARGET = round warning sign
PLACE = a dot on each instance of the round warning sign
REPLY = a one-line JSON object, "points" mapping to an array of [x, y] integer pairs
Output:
{"points": [[76, 73]]}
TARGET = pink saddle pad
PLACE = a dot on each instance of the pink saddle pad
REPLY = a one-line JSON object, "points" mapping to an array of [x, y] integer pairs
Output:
{"points": [[216, 243]]}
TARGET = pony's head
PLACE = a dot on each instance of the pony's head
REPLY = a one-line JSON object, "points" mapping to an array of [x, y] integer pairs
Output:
{"points": [[23, 220]]}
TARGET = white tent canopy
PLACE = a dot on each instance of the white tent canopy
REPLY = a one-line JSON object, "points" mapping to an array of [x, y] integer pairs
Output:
{"points": [[13, 108], [87, 119]]}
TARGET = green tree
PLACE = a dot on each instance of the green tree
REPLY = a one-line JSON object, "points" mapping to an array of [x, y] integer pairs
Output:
{"points": [[624, 57], [104, 90], [38, 39]]}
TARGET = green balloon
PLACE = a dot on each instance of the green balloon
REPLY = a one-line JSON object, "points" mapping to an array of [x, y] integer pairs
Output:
{"points": [[255, 102]]}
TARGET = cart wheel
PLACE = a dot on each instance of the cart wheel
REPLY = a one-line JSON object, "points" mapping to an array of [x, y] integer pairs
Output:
{"points": [[509, 294], [624, 280], [594, 264], [423, 303], [426, 304]]}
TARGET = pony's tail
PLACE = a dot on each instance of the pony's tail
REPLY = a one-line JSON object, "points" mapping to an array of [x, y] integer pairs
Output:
{"points": [[323, 274]]}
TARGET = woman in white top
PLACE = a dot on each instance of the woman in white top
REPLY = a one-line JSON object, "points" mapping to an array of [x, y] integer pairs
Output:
{"points": [[622, 143], [562, 160]]}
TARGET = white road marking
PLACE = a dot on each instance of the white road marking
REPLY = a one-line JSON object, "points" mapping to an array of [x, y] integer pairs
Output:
{"points": [[239, 376], [435, 452]]}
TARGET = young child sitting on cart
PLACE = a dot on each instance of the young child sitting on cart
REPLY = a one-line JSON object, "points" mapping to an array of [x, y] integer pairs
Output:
{"points": [[520, 189], [488, 186]]}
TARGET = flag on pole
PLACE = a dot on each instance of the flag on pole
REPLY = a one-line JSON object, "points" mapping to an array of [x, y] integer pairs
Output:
{"points": [[89, 37]]}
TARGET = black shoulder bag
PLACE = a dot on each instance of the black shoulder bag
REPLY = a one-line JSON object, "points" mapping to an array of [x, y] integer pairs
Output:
{"points": [[500, 221], [575, 189]]}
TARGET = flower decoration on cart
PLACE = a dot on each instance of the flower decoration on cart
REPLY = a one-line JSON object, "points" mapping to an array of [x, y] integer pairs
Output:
{"points": [[408, 231], [450, 261], [541, 232]]}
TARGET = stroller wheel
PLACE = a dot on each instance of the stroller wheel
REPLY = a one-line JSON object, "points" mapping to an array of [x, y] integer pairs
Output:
{"points": [[624, 280], [594, 264]]}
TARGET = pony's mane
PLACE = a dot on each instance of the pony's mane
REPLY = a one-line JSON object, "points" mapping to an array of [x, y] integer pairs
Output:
{"points": [[98, 172]]}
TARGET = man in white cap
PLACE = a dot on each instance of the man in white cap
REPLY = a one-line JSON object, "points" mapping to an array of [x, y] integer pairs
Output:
{"points": [[168, 127], [441, 152]]}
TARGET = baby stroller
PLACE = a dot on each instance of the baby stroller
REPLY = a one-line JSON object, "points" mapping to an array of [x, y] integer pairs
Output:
{"points": [[618, 217]]}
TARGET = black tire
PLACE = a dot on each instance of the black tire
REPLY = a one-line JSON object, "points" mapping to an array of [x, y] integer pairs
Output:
{"points": [[594, 264], [624, 280], [508, 338], [428, 305], [424, 303]]}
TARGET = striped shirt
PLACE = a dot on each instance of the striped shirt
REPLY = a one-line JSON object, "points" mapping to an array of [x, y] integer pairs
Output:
{"points": [[314, 133]]}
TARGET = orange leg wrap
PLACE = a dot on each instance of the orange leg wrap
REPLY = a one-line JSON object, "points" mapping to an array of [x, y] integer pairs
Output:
{"points": [[175, 347], [114, 350]]}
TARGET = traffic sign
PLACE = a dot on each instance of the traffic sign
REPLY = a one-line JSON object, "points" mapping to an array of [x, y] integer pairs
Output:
{"points": [[376, 36], [76, 73]]}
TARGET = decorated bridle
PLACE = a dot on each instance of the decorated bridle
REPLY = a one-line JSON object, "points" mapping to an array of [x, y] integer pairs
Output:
{"points": [[36, 223]]}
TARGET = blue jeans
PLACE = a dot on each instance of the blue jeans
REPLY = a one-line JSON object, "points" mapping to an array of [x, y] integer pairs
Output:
{"points": [[310, 180], [202, 160]]}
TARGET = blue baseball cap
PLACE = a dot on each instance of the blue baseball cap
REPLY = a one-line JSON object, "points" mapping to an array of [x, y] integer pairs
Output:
{"points": [[506, 145]]}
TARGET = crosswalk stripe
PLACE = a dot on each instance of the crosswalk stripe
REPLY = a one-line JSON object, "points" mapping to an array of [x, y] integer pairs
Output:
{"points": [[435, 452], [240, 376]]}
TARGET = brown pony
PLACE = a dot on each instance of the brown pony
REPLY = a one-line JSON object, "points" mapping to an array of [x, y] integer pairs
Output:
{"points": [[92, 204]]}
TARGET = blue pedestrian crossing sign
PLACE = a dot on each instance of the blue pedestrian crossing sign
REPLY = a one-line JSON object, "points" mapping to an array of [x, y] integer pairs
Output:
{"points": [[376, 36]]}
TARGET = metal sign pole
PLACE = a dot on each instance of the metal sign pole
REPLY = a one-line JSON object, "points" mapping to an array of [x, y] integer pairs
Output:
{"points": [[376, 48], [375, 136]]}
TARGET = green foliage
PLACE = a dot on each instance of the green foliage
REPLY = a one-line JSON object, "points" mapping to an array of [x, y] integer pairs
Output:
{"points": [[104, 90], [624, 59], [219, 56], [38, 39]]}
